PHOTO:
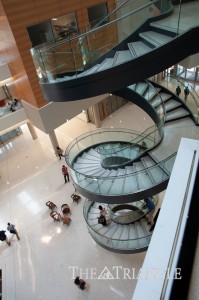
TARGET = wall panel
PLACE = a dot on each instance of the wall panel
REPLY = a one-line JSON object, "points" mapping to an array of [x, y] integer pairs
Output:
{"points": [[15, 17]]}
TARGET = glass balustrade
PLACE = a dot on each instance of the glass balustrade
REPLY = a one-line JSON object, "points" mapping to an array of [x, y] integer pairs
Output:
{"points": [[192, 100], [113, 243], [68, 58]]}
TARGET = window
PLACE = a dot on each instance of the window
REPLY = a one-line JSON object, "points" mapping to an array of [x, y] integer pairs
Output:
{"points": [[97, 13]]}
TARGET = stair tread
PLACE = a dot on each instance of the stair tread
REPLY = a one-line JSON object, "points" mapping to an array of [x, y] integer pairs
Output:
{"points": [[138, 48], [171, 104], [107, 63], [89, 71], [121, 57], [155, 38], [178, 113], [166, 28]]}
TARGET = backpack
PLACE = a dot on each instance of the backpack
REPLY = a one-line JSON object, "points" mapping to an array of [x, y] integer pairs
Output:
{"points": [[101, 220]]}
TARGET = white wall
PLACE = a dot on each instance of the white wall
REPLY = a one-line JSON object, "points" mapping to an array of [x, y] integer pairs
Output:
{"points": [[55, 114], [13, 120], [175, 204], [190, 62]]}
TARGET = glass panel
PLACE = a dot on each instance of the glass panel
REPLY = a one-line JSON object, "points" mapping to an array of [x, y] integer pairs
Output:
{"points": [[64, 26], [90, 46]]}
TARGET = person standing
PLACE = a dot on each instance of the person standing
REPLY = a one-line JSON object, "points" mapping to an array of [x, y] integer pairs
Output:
{"points": [[13, 230], [155, 220], [102, 217], [60, 152], [186, 93], [151, 208], [178, 91], [80, 283], [65, 173], [3, 237]]}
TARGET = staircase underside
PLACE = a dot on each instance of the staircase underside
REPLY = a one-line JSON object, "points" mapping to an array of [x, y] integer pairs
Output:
{"points": [[133, 71]]}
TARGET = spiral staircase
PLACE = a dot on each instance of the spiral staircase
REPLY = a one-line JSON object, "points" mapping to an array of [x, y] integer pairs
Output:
{"points": [[119, 168], [118, 173]]}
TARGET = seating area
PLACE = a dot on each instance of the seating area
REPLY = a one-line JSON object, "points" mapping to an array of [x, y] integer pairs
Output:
{"points": [[76, 198], [51, 205], [56, 216], [65, 209]]}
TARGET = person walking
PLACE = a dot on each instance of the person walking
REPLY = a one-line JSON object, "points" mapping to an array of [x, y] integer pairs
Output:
{"points": [[178, 91], [65, 173], [151, 208], [60, 152], [102, 217], [155, 220], [80, 283], [3, 237], [13, 230], [186, 93]]}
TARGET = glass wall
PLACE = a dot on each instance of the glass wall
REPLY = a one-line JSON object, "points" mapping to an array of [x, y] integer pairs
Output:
{"points": [[6, 137], [57, 28]]}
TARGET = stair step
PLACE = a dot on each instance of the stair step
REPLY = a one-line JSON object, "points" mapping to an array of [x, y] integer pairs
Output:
{"points": [[106, 64], [157, 173], [165, 96], [141, 87], [150, 92], [138, 48], [155, 38], [121, 57], [118, 232], [168, 30], [89, 71], [176, 114], [84, 161], [87, 156], [171, 104], [94, 153]]}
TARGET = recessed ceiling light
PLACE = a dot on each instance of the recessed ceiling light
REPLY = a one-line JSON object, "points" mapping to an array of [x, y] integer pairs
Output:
{"points": [[54, 19]]}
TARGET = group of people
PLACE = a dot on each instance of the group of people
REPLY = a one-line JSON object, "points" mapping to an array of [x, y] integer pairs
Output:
{"points": [[11, 228], [186, 92]]}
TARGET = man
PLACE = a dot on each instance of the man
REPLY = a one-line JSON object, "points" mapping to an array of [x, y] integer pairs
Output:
{"points": [[65, 173], [3, 237], [178, 91], [186, 93], [151, 208], [13, 230]]}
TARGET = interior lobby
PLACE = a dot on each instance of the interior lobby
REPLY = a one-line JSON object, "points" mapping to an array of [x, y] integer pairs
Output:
{"points": [[44, 262]]}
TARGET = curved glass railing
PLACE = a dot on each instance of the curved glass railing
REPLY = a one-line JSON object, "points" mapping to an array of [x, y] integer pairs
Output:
{"points": [[127, 213], [135, 147], [137, 181], [192, 101], [67, 59], [148, 139], [138, 242]]}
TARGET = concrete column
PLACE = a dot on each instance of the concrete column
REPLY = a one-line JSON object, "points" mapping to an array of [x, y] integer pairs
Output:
{"points": [[96, 116], [54, 140], [32, 131]]}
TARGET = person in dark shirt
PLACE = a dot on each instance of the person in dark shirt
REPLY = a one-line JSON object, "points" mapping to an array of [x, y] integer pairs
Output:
{"points": [[3, 237], [155, 220], [151, 208]]}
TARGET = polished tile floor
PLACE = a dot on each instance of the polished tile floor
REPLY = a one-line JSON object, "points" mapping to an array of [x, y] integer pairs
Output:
{"points": [[38, 266], [41, 264]]}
